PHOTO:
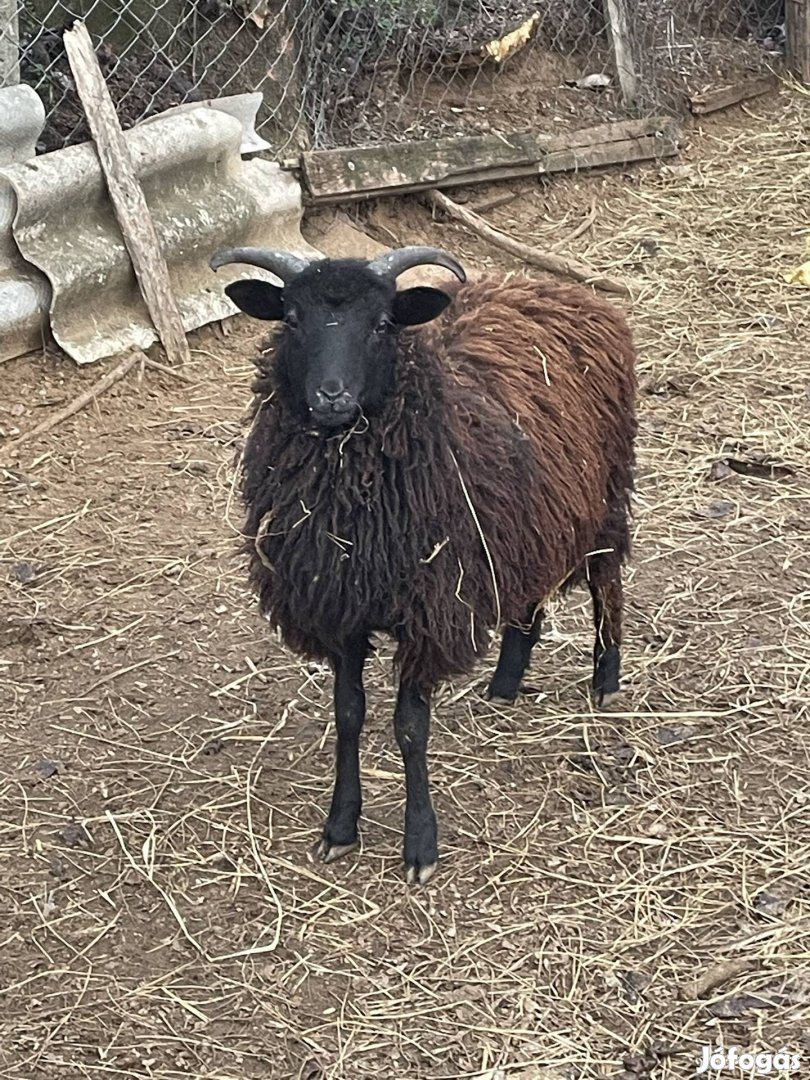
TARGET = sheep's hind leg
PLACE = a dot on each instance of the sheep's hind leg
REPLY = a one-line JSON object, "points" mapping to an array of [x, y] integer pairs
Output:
{"points": [[516, 650], [340, 828], [605, 583], [412, 728]]}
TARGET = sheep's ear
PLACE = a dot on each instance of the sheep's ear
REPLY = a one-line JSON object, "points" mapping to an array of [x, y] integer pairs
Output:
{"points": [[257, 298], [419, 305]]}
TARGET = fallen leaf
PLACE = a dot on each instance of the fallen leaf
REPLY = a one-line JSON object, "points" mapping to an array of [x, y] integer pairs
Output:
{"points": [[799, 276], [719, 509], [714, 977], [733, 1008], [633, 982], [676, 733], [511, 43], [766, 469]]}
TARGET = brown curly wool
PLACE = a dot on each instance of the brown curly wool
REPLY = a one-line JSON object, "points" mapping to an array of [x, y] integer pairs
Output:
{"points": [[499, 465]]}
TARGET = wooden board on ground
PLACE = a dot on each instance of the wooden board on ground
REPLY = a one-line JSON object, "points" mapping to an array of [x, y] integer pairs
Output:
{"points": [[399, 168], [722, 97]]}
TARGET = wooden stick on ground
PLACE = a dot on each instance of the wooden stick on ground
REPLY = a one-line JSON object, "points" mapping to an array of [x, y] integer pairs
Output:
{"points": [[502, 200], [554, 264], [126, 194], [583, 227], [86, 397]]}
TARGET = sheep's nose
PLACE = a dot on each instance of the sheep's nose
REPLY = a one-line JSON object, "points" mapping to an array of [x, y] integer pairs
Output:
{"points": [[332, 396], [332, 389]]}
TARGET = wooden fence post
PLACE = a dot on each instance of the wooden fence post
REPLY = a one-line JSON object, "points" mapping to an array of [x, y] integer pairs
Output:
{"points": [[9, 43], [797, 38], [619, 28]]}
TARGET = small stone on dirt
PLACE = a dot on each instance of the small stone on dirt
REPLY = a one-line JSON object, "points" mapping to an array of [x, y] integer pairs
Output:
{"points": [[58, 868], [23, 572], [720, 471], [75, 835], [675, 733], [767, 904], [46, 769], [636, 980], [719, 509], [640, 1066]]}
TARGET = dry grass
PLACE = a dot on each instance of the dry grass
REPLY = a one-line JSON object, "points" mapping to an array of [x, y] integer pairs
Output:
{"points": [[165, 768]]}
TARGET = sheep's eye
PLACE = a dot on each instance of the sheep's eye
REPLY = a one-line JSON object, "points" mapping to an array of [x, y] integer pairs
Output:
{"points": [[383, 325], [291, 319]]}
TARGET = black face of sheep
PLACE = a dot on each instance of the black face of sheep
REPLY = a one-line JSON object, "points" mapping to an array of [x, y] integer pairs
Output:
{"points": [[340, 320], [493, 470]]}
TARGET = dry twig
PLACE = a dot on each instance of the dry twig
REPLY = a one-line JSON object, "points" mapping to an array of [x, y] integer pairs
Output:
{"points": [[113, 376], [554, 264]]}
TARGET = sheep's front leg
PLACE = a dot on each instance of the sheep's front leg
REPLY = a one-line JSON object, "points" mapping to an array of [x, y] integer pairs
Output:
{"points": [[412, 728], [340, 829]]}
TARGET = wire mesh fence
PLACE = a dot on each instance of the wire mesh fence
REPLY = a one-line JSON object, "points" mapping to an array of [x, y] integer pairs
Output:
{"points": [[346, 72]]}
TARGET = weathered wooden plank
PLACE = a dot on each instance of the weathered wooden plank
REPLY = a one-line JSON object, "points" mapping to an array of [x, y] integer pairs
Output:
{"points": [[126, 194], [722, 97], [588, 149], [797, 38], [431, 161], [621, 41], [401, 168], [618, 153]]}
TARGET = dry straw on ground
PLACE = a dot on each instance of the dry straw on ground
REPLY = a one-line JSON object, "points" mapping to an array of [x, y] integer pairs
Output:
{"points": [[165, 765]]}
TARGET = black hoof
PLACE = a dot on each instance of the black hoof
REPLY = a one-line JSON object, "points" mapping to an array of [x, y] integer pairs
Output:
{"points": [[327, 852], [503, 688], [605, 683], [339, 836], [421, 852]]}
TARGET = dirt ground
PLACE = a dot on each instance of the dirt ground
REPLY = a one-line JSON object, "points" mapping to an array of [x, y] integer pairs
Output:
{"points": [[165, 764]]}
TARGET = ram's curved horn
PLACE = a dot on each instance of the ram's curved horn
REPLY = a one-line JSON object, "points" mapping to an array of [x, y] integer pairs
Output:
{"points": [[283, 264], [396, 262]]}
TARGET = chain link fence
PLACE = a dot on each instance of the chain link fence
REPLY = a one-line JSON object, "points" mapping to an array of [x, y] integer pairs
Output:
{"points": [[349, 72]]}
